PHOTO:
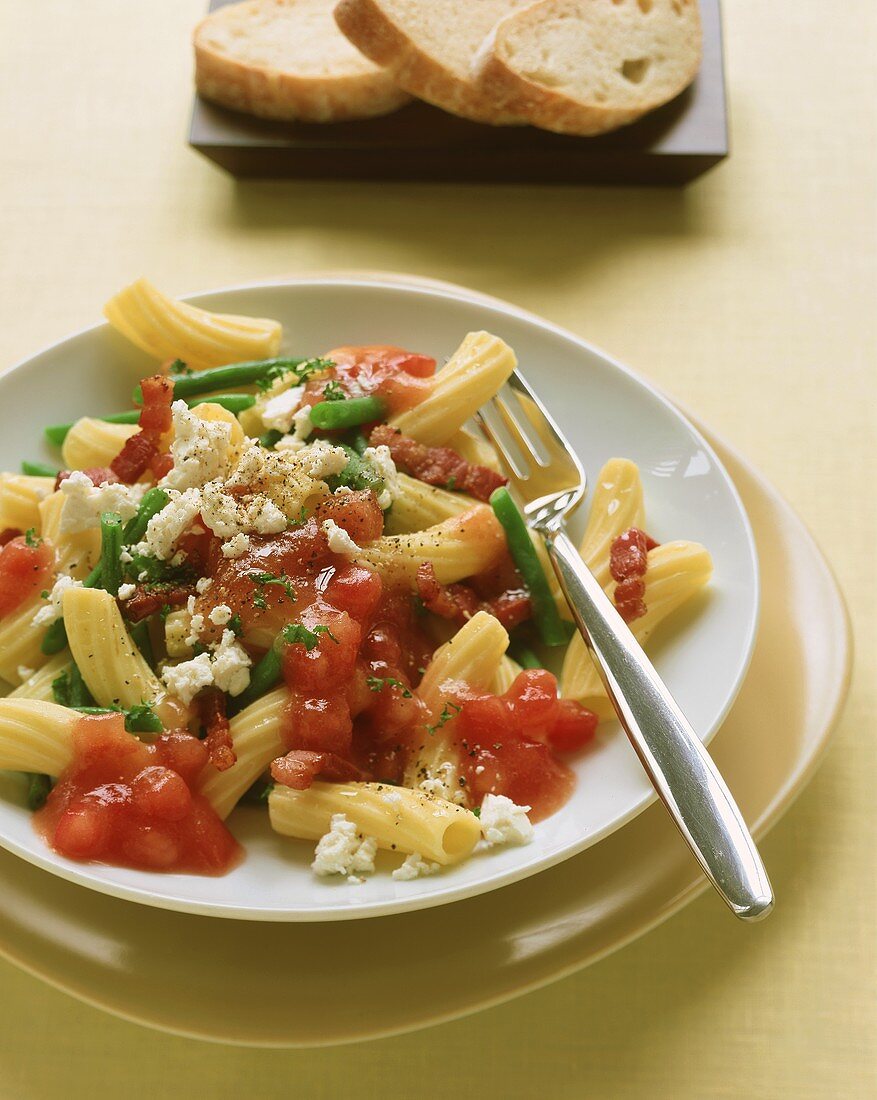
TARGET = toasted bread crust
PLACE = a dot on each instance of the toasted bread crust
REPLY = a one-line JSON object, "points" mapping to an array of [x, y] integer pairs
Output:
{"points": [[373, 32], [270, 92]]}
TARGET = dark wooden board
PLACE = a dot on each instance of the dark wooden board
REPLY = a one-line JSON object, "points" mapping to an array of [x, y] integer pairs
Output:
{"points": [[670, 146]]}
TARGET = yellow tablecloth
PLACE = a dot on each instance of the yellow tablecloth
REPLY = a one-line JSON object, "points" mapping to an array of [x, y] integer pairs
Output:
{"points": [[750, 296]]}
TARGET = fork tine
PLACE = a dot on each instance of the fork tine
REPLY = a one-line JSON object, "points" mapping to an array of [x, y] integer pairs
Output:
{"points": [[493, 426], [509, 402], [517, 382]]}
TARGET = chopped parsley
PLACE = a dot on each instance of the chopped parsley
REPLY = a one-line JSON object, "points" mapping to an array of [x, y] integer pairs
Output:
{"points": [[451, 483], [377, 683], [295, 632], [158, 572], [445, 716], [179, 367], [263, 579], [302, 372], [477, 811], [235, 625], [332, 391], [69, 689], [31, 537]]}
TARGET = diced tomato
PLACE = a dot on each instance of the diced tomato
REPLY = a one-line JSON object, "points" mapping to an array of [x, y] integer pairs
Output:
{"points": [[24, 570], [320, 725], [329, 664], [401, 377], [131, 804], [300, 767], [574, 727], [533, 699], [356, 590], [358, 513]]}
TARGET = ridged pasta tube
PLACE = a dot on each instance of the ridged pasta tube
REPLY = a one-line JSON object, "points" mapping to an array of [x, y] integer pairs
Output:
{"points": [[458, 548], [400, 819], [167, 329], [473, 657], [20, 641], [616, 506], [91, 442], [474, 449], [36, 736], [112, 667], [505, 675], [676, 571], [257, 740], [472, 375], [39, 685], [417, 506], [20, 496]]}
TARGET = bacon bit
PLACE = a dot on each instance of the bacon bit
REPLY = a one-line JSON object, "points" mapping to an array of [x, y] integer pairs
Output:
{"points": [[8, 534], [143, 450], [146, 601], [220, 746], [459, 602], [100, 475], [628, 562], [440, 466], [299, 768]]}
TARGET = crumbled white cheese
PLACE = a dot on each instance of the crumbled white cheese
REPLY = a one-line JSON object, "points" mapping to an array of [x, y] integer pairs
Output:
{"points": [[302, 428], [415, 866], [200, 449], [383, 463], [323, 459], [187, 678], [277, 413], [236, 547], [84, 502], [441, 784], [167, 526], [202, 584], [231, 664], [343, 850], [339, 540], [503, 822], [25, 673], [126, 557], [221, 614], [196, 625], [126, 591], [53, 609]]}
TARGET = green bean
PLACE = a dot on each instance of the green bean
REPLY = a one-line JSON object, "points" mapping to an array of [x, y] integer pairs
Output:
{"points": [[110, 551], [38, 469], [545, 614], [270, 438], [138, 719], [357, 474], [524, 656], [332, 415], [227, 377], [38, 788], [141, 638], [358, 441], [152, 503], [234, 402], [263, 677]]}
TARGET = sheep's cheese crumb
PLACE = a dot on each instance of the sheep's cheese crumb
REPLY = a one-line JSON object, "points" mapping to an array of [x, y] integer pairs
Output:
{"points": [[503, 822], [84, 502], [339, 540], [415, 866], [227, 667], [203, 584], [324, 459], [167, 526], [344, 851], [186, 679], [24, 673], [126, 591], [302, 428], [53, 609], [236, 547], [221, 614], [196, 625], [200, 449], [126, 557], [278, 412], [383, 463], [441, 784]]}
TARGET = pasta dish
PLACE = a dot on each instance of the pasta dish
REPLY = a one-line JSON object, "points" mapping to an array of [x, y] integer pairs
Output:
{"points": [[301, 583]]}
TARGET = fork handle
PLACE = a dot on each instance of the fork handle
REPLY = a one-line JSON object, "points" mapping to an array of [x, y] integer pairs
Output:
{"points": [[680, 768]]}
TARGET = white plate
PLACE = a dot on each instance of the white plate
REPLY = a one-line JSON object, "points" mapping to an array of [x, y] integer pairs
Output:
{"points": [[605, 410]]}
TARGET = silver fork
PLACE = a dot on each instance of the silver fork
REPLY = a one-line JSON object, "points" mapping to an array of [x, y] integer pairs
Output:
{"points": [[550, 482]]}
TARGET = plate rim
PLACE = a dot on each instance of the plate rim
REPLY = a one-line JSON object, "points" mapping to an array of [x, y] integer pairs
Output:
{"points": [[418, 286]]}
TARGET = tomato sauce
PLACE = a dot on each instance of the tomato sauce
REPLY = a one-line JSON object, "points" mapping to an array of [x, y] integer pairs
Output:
{"points": [[403, 378], [25, 569], [132, 804]]}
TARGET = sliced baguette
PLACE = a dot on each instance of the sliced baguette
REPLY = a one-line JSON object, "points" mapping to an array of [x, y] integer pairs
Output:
{"points": [[588, 66], [286, 59], [430, 46]]}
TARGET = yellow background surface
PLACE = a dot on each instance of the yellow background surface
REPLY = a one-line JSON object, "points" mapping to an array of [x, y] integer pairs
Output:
{"points": [[750, 296]]}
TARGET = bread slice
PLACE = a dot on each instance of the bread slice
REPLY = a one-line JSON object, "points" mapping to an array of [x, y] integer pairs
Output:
{"points": [[430, 46], [287, 59], [588, 66]]}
